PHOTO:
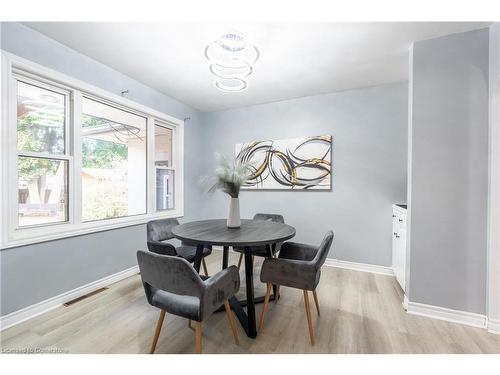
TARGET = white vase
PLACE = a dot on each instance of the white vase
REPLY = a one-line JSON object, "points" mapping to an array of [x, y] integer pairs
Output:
{"points": [[233, 217]]}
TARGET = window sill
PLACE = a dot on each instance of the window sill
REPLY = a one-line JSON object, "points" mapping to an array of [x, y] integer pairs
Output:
{"points": [[30, 236]]}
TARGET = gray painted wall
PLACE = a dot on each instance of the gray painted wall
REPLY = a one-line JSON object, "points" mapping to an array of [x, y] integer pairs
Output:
{"points": [[449, 174], [30, 274], [369, 127]]}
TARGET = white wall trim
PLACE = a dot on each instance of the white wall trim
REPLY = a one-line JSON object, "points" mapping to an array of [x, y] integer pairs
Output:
{"points": [[409, 175], [493, 289], [449, 315], [494, 326], [405, 302], [363, 267], [42, 307]]}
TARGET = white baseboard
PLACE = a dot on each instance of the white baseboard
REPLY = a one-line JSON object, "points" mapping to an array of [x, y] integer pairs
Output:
{"points": [[363, 267], [494, 326], [449, 315], [405, 302], [42, 307]]}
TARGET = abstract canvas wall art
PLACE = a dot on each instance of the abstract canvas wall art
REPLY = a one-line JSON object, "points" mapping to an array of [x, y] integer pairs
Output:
{"points": [[290, 164]]}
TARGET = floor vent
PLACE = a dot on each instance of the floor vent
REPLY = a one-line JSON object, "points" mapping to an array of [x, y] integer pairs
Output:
{"points": [[72, 302]]}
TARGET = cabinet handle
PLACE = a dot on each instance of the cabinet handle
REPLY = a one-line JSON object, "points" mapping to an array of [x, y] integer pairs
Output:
{"points": [[397, 236], [400, 220], [393, 215]]}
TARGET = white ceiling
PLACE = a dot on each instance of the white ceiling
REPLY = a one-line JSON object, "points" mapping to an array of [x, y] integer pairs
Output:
{"points": [[297, 59]]}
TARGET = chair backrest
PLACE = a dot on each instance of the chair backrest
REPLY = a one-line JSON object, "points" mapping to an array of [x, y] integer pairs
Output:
{"points": [[271, 217], [169, 273], [323, 249], [160, 230]]}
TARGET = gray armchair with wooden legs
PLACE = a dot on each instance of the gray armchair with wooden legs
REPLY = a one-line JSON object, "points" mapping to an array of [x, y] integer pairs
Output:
{"points": [[262, 251], [297, 266], [172, 285], [160, 231]]}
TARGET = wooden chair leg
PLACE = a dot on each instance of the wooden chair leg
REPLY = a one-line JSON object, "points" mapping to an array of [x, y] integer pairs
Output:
{"points": [[157, 332], [230, 317], [264, 308], [316, 302], [204, 266], [239, 261], [189, 323], [198, 337], [277, 296], [309, 319]]}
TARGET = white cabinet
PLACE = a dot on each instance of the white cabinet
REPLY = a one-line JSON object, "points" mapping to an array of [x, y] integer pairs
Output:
{"points": [[399, 218]]}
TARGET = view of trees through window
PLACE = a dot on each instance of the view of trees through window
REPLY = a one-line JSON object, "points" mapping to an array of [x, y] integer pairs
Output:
{"points": [[104, 174], [42, 181], [100, 153], [113, 162]]}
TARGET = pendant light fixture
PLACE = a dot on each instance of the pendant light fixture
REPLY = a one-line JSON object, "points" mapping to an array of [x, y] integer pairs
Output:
{"points": [[231, 59]]}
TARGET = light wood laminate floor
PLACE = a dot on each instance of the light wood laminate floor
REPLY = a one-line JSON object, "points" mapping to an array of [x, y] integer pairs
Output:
{"points": [[360, 313]]}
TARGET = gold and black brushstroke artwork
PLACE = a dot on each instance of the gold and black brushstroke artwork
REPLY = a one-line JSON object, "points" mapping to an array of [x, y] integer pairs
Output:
{"points": [[295, 164]]}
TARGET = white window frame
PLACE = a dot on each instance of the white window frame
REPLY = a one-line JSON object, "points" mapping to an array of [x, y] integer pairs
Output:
{"points": [[12, 236], [66, 156], [175, 166]]}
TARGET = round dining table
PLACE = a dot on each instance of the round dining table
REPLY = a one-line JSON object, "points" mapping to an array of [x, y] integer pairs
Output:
{"points": [[251, 233]]}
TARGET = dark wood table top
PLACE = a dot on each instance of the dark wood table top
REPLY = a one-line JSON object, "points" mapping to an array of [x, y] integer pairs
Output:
{"points": [[216, 232]]}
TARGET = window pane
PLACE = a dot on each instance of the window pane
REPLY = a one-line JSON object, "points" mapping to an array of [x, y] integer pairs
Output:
{"points": [[113, 162], [40, 119], [163, 146], [164, 189], [42, 191], [163, 160]]}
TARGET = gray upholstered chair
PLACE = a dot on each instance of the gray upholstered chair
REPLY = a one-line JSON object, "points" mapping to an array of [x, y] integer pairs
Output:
{"points": [[160, 231], [297, 266], [261, 251], [172, 285]]}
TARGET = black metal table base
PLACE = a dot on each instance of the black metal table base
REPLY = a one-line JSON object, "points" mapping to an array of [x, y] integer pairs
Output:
{"points": [[247, 319], [243, 302]]}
